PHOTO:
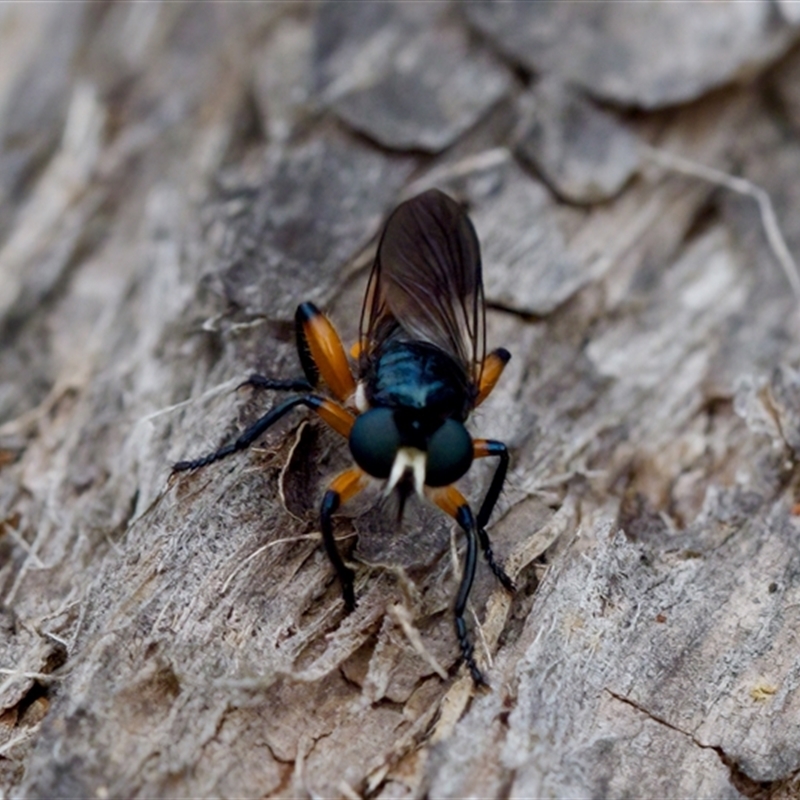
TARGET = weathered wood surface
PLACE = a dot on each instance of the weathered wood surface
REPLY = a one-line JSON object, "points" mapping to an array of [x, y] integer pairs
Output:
{"points": [[175, 178]]}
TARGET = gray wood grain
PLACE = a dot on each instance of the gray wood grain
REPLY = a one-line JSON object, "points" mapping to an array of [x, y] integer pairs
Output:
{"points": [[174, 180], [649, 54]]}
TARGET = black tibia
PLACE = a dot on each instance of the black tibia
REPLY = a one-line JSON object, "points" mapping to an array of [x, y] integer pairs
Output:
{"points": [[498, 449], [304, 313], [253, 432], [466, 519], [329, 505], [287, 385]]}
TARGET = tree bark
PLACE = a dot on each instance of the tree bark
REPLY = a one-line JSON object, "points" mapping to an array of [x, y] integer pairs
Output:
{"points": [[176, 178]]}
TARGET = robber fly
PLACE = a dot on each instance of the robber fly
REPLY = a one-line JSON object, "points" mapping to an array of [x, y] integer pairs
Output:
{"points": [[421, 370]]}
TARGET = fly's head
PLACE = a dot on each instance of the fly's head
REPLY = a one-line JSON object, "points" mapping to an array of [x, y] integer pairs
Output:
{"points": [[396, 445]]}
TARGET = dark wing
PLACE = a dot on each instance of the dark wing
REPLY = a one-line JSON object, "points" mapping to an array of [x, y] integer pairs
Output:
{"points": [[426, 281]]}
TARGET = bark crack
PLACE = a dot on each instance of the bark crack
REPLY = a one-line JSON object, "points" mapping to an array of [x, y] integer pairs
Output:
{"points": [[753, 789]]}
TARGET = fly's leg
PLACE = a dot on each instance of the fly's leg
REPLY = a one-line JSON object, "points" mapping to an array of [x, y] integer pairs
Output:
{"points": [[466, 520], [321, 355], [321, 352], [452, 502], [337, 417], [484, 448], [491, 370], [343, 488]]}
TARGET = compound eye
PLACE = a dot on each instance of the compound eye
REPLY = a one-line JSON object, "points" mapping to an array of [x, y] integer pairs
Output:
{"points": [[374, 441], [449, 454]]}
